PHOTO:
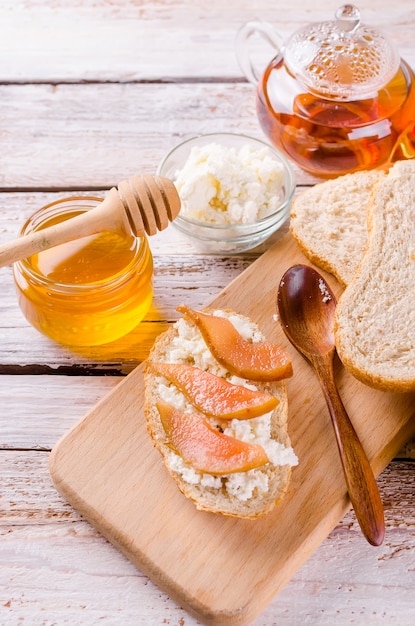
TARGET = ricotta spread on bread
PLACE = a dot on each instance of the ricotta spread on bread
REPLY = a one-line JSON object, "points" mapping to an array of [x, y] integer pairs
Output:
{"points": [[222, 185], [187, 345]]}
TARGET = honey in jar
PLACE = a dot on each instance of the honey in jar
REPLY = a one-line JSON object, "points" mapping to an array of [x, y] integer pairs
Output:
{"points": [[86, 292], [336, 98]]}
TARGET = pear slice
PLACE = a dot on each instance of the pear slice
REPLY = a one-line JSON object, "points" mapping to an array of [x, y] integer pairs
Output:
{"points": [[260, 361], [205, 448], [214, 396]]}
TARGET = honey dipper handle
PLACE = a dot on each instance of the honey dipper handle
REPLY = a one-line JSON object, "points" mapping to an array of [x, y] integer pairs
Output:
{"points": [[141, 204], [109, 215]]}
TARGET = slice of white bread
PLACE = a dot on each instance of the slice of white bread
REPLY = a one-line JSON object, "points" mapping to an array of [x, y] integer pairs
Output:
{"points": [[329, 223], [375, 316], [243, 494]]}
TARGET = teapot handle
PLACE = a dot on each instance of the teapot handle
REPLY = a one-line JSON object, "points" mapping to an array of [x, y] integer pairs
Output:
{"points": [[242, 48]]}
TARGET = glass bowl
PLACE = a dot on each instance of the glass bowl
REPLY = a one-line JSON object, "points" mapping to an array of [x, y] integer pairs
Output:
{"points": [[229, 237]]}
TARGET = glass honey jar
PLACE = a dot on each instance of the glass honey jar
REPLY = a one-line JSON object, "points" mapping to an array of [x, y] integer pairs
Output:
{"points": [[86, 292]]}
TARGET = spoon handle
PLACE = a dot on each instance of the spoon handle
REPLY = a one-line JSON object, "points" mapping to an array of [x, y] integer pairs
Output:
{"points": [[360, 480]]}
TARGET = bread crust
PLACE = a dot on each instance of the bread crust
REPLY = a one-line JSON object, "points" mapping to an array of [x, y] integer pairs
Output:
{"points": [[329, 222], [204, 497], [375, 316]]}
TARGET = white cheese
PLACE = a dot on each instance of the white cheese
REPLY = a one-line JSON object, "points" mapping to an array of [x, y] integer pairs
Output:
{"points": [[221, 185], [189, 347], [244, 484]]}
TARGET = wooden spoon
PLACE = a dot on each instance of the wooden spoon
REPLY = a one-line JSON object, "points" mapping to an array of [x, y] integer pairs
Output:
{"points": [[306, 308], [141, 204]]}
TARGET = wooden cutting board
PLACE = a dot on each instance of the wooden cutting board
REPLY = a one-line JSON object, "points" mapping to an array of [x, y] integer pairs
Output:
{"points": [[222, 570]]}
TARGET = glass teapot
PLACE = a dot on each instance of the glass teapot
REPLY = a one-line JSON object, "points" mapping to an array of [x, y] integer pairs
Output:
{"points": [[336, 98]]}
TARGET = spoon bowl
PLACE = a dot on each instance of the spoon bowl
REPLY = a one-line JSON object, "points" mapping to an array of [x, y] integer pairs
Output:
{"points": [[306, 307]]}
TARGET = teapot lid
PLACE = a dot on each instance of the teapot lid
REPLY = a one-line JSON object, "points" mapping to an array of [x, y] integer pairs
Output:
{"points": [[342, 59]]}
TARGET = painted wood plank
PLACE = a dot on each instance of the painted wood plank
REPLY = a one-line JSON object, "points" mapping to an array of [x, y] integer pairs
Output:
{"points": [[36, 423], [93, 136], [134, 40]]}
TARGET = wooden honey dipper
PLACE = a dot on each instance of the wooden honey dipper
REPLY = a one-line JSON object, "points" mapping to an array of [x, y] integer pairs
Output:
{"points": [[141, 204]]}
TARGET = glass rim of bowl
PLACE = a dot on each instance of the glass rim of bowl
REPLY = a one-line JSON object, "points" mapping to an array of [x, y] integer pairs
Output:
{"points": [[263, 223], [200, 231]]}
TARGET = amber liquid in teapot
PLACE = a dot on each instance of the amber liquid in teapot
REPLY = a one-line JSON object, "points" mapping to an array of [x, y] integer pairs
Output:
{"points": [[331, 137]]}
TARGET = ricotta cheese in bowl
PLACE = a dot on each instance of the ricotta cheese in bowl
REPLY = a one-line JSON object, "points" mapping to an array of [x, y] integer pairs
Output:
{"points": [[235, 190], [227, 185]]}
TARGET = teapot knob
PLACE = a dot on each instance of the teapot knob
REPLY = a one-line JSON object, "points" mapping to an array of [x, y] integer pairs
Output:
{"points": [[348, 18]]}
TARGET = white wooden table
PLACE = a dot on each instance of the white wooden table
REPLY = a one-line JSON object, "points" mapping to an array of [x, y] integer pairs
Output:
{"points": [[90, 93]]}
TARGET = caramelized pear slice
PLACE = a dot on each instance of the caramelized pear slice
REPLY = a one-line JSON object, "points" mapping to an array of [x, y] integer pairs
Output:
{"points": [[205, 448], [213, 395], [261, 361]]}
